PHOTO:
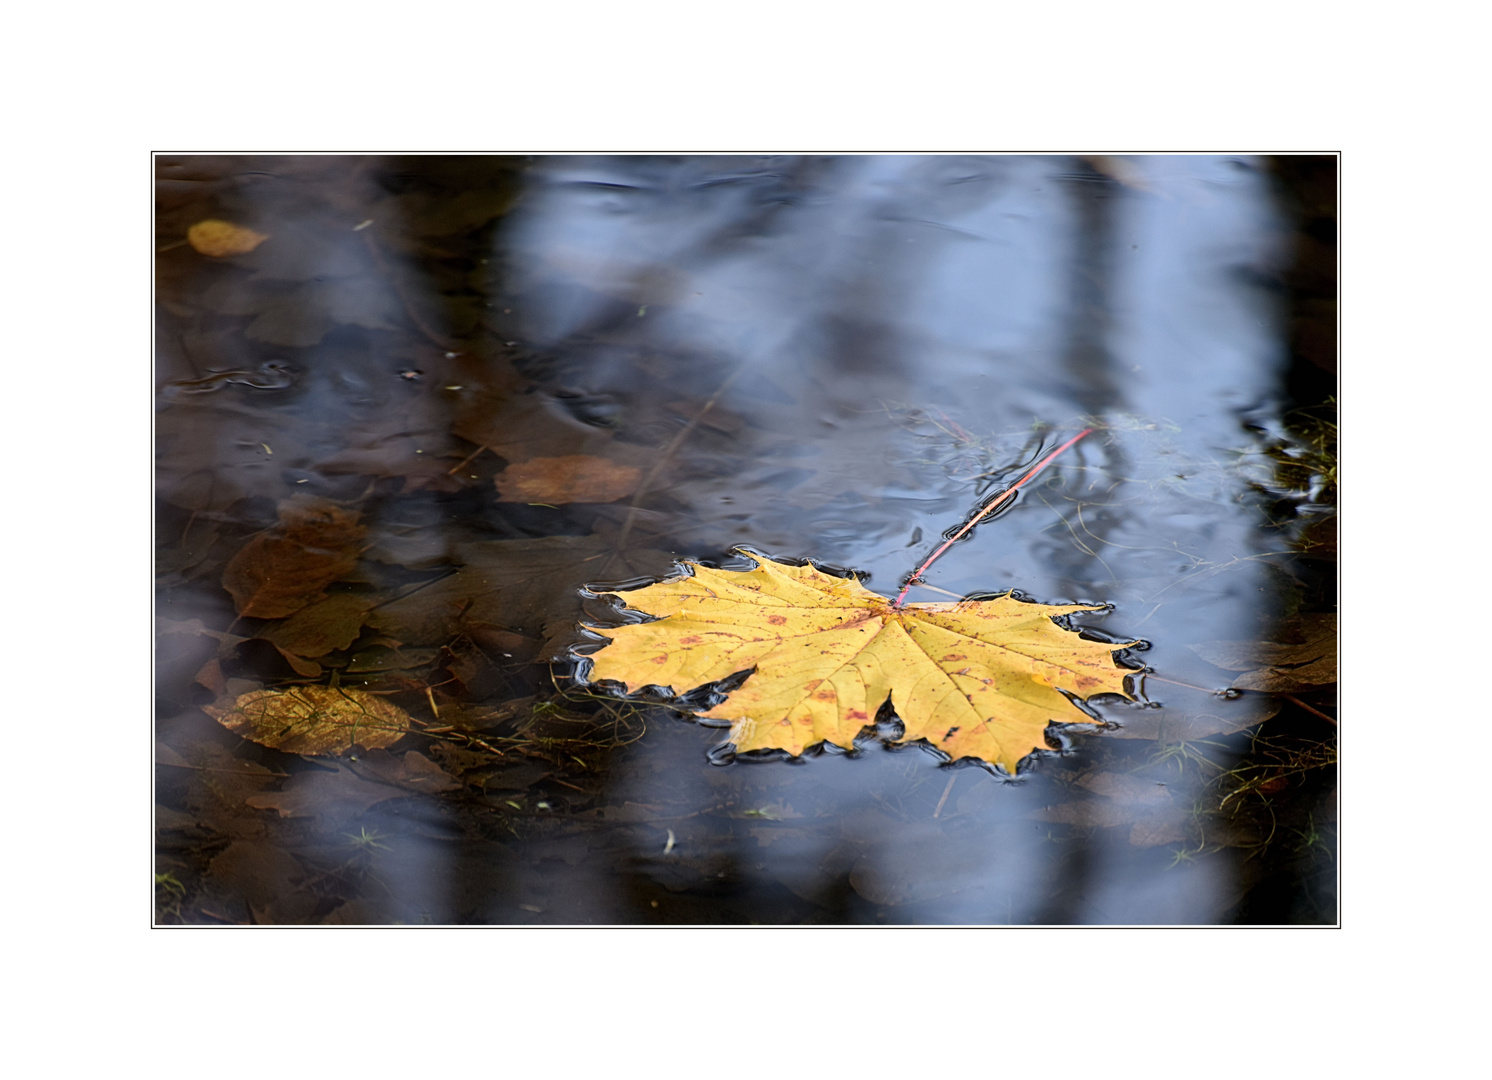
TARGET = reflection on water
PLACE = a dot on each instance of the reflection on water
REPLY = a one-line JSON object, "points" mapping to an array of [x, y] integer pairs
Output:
{"points": [[827, 358]]}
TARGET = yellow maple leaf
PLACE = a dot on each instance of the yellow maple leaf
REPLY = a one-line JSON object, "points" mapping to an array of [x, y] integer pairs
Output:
{"points": [[979, 679]]}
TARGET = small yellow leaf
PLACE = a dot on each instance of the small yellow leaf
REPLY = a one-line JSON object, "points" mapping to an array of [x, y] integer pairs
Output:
{"points": [[222, 238], [314, 720], [979, 679]]}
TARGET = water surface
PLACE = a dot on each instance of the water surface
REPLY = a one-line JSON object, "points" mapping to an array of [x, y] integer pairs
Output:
{"points": [[826, 358]]}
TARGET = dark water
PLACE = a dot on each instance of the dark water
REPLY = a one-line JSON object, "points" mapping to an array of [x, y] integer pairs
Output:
{"points": [[832, 358]]}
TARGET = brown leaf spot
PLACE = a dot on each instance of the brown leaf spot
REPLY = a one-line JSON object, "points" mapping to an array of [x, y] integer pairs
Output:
{"points": [[954, 656], [777, 620], [660, 659], [857, 714], [692, 639]]}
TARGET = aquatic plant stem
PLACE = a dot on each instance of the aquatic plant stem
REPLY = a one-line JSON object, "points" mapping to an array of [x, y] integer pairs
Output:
{"points": [[998, 500]]}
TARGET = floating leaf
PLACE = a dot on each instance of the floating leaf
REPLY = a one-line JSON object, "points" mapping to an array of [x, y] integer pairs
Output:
{"points": [[276, 574], [222, 238], [979, 679], [575, 478], [313, 719]]}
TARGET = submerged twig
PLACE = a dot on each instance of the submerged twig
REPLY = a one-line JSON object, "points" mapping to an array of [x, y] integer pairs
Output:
{"points": [[1309, 708], [946, 792], [667, 452]]}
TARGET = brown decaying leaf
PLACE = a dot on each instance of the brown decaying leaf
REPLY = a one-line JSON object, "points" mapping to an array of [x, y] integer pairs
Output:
{"points": [[525, 587], [1125, 788], [1168, 826], [217, 785], [574, 478], [210, 675], [223, 238], [276, 574], [306, 669], [979, 679], [1086, 813], [1220, 716], [377, 777], [323, 627], [496, 414], [313, 720], [1276, 667], [257, 872]]}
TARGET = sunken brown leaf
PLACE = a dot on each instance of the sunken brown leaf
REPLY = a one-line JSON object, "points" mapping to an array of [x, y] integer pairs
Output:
{"points": [[279, 572]]}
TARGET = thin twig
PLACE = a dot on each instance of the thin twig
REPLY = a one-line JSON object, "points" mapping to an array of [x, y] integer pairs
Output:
{"points": [[467, 459], [1190, 686], [667, 452], [1309, 708], [946, 592], [998, 500], [951, 780]]}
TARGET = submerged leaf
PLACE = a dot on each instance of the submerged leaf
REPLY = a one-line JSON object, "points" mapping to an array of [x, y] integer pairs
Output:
{"points": [[526, 587], [574, 478], [350, 789], [278, 573], [222, 238], [1280, 668], [330, 624], [979, 679], [313, 719]]}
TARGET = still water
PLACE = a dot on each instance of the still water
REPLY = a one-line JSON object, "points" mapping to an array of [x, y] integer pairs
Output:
{"points": [[836, 359]]}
